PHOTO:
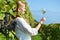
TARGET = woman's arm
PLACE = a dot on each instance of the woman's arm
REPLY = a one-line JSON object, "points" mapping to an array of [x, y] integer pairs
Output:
{"points": [[41, 22], [25, 27]]}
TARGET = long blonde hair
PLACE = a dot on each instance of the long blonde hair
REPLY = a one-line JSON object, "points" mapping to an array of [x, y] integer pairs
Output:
{"points": [[19, 14]]}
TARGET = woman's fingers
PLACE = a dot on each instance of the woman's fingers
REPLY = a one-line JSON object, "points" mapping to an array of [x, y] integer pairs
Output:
{"points": [[42, 20]]}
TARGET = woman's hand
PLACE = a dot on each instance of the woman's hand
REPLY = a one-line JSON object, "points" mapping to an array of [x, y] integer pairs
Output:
{"points": [[42, 20]]}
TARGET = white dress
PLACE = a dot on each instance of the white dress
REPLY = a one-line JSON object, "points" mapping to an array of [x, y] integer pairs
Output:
{"points": [[23, 29]]}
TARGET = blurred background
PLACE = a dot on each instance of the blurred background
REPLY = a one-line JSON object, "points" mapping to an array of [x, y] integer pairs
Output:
{"points": [[35, 10]]}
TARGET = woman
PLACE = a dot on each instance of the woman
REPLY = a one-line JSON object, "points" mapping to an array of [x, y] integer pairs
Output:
{"points": [[23, 29]]}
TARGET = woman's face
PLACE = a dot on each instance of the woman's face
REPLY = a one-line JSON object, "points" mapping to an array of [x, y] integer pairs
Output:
{"points": [[21, 7]]}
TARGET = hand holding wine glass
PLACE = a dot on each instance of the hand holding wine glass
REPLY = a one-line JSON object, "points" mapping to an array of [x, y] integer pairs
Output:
{"points": [[42, 20]]}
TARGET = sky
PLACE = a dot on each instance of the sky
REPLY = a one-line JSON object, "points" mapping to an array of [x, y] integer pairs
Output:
{"points": [[52, 8]]}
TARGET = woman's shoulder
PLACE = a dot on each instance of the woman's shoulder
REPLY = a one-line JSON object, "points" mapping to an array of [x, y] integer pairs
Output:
{"points": [[19, 18]]}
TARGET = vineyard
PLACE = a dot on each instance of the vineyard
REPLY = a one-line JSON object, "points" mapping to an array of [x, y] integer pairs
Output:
{"points": [[7, 9]]}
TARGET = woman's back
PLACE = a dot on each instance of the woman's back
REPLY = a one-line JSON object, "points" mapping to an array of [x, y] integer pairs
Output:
{"points": [[21, 32]]}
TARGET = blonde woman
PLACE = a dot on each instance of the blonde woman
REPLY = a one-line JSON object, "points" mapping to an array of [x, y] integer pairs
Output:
{"points": [[23, 30]]}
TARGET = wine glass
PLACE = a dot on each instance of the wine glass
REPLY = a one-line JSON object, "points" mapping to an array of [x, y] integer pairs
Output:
{"points": [[43, 13]]}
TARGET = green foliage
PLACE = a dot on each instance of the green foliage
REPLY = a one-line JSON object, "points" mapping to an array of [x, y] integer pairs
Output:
{"points": [[6, 6], [50, 32], [2, 37], [37, 37]]}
